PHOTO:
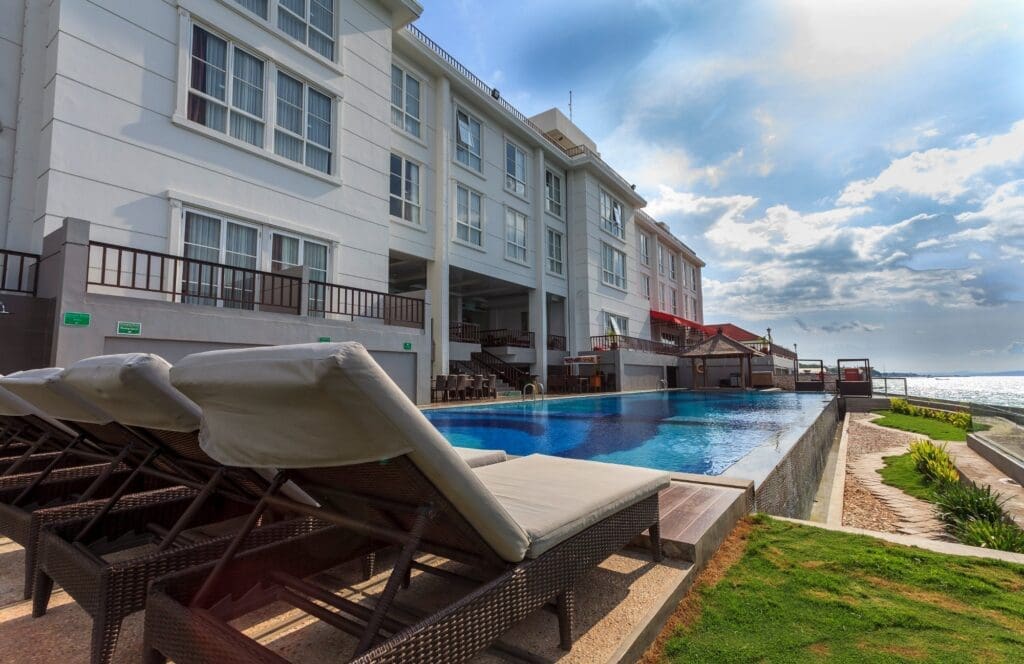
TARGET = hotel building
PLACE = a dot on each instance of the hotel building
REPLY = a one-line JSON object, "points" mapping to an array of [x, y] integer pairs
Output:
{"points": [[181, 175]]}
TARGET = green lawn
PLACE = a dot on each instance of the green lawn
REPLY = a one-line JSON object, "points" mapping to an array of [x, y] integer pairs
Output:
{"points": [[802, 594], [899, 472], [925, 426]]}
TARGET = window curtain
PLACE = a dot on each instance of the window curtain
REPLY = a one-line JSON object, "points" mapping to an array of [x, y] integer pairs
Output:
{"points": [[202, 242], [412, 192], [209, 76], [318, 131], [397, 95], [239, 251], [321, 17], [412, 105], [396, 186], [258, 7], [247, 95], [289, 116], [284, 253], [293, 21]]}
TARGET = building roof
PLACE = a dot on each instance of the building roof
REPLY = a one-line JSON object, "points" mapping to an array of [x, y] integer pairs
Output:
{"points": [[734, 332], [672, 319], [721, 346]]}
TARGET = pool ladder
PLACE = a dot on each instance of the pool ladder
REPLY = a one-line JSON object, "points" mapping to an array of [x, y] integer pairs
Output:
{"points": [[662, 384], [538, 388]]}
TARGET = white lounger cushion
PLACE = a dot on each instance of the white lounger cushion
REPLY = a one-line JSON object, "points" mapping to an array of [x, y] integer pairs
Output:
{"points": [[135, 389], [11, 405], [321, 405], [554, 498], [478, 458], [42, 388]]}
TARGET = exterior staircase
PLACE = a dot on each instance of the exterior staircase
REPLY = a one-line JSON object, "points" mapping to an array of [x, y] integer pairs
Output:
{"points": [[510, 377], [472, 367]]}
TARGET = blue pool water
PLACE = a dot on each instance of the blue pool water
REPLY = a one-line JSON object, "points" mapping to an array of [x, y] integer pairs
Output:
{"points": [[693, 432]]}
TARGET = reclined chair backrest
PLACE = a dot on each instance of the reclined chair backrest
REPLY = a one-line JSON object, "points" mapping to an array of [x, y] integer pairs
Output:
{"points": [[331, 413], [16, 411]]}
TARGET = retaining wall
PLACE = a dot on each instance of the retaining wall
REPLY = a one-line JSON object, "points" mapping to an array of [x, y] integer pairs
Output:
{"points": [[789, 489]]}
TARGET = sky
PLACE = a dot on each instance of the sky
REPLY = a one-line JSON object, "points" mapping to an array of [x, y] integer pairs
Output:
{"points": [[851, 172]]}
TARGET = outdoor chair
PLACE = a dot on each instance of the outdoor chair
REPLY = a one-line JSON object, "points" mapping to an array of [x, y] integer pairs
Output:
{"points": [[452, 387], [440, 383], [527, 529], [462, 389], [493, 382], [478, 386]]}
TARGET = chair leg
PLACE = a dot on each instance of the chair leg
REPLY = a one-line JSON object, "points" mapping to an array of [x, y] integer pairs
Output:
{"points": [[369, 562], [105, 631], [565, 604], [655, 534], [41, 592]]}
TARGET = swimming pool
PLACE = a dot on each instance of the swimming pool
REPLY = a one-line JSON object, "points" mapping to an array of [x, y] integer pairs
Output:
{"points": [[693, 432]]}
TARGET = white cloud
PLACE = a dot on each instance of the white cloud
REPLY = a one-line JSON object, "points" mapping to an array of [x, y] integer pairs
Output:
{"points": [[942, 174], [974, 256], [1001, 216], [782, 230], [669, 201]]}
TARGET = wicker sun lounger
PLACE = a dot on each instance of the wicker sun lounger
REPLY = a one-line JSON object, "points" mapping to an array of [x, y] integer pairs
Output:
{"points": [[339, 428]]}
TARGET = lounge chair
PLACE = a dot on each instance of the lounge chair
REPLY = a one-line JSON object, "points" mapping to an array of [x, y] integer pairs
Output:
{"points": [[339, 428]]}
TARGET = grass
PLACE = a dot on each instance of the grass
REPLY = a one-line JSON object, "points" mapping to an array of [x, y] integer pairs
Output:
{"points": [[803, 594], [934, 429], [899, 471]]}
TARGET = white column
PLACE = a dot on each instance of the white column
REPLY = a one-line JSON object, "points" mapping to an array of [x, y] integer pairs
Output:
{"points": [[538, 296], [438, 269]]}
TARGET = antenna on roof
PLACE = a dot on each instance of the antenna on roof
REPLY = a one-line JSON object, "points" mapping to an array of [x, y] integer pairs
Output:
{"points": [[570, 104]]}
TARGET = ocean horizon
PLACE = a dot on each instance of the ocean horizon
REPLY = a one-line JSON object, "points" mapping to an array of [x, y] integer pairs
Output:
{"points": [[991, 390]]}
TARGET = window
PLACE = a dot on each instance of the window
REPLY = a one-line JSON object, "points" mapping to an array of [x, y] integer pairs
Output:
{"points": [[405, 189], [613, 264], [645, 249], [693, 277], [304, 124], [288, 252], [468, 226], [231, 104], [645, 286], [258, 7], [673, 301], [661, 259], [405, 101], [611, 215], [662, 300], [554, 252], [515, 235], [671, 266], [467, 140], [553, 193], [213, 240], [515, 169], [310, 22], [616, 325]]}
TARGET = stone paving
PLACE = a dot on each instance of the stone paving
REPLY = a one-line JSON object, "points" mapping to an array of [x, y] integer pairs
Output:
{"points": [[976, 469], [867, 444]]}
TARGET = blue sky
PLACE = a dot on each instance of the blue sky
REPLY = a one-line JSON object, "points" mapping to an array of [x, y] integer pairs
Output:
{"points": [[852, 173]]}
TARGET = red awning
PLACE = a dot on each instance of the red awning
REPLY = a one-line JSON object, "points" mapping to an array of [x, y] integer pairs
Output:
{"points": [[664, 317]]}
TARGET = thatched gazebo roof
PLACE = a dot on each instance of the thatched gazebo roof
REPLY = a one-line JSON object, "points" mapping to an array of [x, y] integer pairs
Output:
{"points": [[721, 346]]}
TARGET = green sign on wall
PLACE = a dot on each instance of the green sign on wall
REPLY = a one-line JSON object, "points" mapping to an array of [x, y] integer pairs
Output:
{"points": [[77, 319], [324, 339], [128, 328], [407, 345]]}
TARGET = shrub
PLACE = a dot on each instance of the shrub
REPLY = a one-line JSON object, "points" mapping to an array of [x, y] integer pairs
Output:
{"points": [[958, 504], [933, 462], [999, 535], [959, 419]]}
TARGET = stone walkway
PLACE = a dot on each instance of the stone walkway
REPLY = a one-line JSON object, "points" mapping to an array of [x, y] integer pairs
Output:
{"points": [[976, 469], [893, 510]]}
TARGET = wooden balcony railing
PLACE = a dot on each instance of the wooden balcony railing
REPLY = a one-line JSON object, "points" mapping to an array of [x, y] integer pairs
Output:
{"points": [[556, 342], [621, 342], [505, 337], [18, 271], [464, 332], [193, 281]]}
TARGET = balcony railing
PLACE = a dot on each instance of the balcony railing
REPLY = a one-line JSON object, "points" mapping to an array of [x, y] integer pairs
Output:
{"points": [[465, 332], [504, 337], [193, 281], [325, 299], [620, 342], [18, 271], [556, 342]]}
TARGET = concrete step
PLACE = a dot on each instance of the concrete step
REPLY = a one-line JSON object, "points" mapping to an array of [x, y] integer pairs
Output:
{"points": [[696, 518]]}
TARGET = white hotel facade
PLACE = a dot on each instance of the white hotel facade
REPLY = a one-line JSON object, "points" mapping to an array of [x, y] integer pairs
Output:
{"points": [[195, 174]]}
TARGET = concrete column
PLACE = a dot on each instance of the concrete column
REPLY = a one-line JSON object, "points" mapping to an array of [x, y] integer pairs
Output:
{"points": [[538, 296], [438, 269], [63, 270]]}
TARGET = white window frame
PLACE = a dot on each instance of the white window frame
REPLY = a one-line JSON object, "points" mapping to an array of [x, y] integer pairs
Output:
{"points": [[645, 286], [608, 207], [465, 147], [661, 258], [468, 224], [516, 251], [673, 301], [555, 260], [616, 324], [693, 277], [272, 22], [515, 182], [662, 300], [645, 249], [303, 241], [609, 276], [402, 112], [671, 265], [406, 203], [330, 149], [553, 205]]}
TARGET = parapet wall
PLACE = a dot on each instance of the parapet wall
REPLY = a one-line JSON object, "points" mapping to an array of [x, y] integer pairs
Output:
{"points": [[789, 488]]}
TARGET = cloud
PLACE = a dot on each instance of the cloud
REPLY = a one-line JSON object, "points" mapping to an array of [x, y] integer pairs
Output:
{"points": [[781, 230], [942, 174], [1001, 216], [1016, 348], [834, 328]]}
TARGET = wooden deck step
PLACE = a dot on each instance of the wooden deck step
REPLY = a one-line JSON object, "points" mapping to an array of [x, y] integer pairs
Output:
{"points": [[696, 518]]}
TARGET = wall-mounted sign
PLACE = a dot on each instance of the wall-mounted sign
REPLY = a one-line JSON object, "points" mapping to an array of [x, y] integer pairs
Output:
{"points": [[407, 345], [77, 319], [580, 359], [324, 339], [128, 329]]}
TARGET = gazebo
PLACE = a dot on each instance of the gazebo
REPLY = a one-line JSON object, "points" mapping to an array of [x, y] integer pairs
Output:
{"points": [[721, 347]]}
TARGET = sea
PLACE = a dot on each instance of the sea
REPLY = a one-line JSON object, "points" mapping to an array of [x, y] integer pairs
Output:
{"points": [[992, 390]]}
